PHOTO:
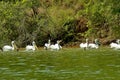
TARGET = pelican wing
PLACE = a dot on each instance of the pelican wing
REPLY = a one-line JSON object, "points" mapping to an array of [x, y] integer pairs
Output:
{"points": [[7, 48], [29, 47]]}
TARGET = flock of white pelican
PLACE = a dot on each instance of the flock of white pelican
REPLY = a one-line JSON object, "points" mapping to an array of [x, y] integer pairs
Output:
{"points": [[96, 44], [57, 46], [87, 45], [33, 47], [13, 47]]}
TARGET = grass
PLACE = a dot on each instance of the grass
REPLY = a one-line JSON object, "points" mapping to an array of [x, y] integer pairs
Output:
{"points": [[66, 64]]}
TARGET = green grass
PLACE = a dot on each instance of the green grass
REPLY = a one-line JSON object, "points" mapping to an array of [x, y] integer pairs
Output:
{"points": [[66, 64]]}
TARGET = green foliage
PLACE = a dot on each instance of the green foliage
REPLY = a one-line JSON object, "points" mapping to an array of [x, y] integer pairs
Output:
{"points": [[39, 20]]}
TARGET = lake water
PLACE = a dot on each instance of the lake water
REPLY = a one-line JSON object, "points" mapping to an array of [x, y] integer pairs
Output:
{"points": [[67, 64]]}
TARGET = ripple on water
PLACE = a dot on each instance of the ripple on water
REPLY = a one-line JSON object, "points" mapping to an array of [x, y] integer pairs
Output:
{"points": [[85, 66], [19, 57], [90, 72], [66, 72], [118, 71], [28, 71], [7, 72], [3, 68], [15, 74], [22, 60], [33, 65], [111, 65], [109, 78], [38, 60], [45, 69], [42, 66], [10, 61], [117, 66], [96, 72], [18, 64], [22, 73], [33, 79]]}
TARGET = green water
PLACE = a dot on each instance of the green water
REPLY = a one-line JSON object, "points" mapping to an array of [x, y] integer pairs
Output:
{"points": [[67, 64]]}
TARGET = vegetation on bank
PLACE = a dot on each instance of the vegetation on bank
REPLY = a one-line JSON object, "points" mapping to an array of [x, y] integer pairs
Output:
{"points": [[69, 20]]}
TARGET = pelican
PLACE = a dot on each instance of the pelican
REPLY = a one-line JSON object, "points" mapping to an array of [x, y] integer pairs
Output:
{"points": [[10, 48], [56, 46], [32, 47], [47, 45], [84, 45], [115, 45], [94, 45], [118, 41]]}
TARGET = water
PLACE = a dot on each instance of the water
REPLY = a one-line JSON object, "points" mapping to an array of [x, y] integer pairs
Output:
{"points": [[66, 64]]}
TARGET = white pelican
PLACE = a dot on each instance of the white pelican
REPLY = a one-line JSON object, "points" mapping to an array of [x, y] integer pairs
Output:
{"points": [[47, 45], [118, 41], [32, 47], [94, 45], [115, 45], [84, 45], [56, 46], [9, 48]]}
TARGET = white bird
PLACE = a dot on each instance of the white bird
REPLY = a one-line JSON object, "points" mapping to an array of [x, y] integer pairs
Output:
{"points": [[94, 45], [32, 47], [118, 41], [47, 45], [56, 46], [115, 45], [84, 45], [8, 47]]}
